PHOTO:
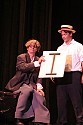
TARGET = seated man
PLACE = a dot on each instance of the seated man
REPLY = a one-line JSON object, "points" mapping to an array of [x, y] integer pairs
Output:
{"points": [[31, 100]]}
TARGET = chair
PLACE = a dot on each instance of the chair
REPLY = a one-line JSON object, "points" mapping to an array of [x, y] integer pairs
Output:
{"points": [[8, 102]]}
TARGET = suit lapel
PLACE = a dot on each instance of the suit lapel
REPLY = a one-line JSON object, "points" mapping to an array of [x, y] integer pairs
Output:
{"points": [[28, 60]]}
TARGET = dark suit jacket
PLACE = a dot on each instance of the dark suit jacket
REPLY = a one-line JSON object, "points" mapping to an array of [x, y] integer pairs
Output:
{"points": [[25, 73]]}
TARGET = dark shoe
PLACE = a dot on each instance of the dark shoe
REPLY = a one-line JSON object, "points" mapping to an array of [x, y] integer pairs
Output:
{"points": [[19, 122], [40, 123]]}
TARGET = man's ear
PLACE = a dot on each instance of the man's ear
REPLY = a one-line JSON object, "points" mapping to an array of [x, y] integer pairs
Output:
{"points": [[70, 34]]}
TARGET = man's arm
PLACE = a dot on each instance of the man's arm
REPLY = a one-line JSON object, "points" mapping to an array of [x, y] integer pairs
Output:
{"points": [[82, 72]]}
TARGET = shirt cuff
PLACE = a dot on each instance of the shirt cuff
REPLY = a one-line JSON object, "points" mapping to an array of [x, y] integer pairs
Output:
{"points": [[36, 64], [39, 86]]}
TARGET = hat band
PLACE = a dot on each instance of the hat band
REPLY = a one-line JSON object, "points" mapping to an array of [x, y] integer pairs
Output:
{"points": [[65, 28]]}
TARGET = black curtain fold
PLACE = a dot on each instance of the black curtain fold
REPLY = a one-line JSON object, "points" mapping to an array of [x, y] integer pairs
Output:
{"points": [[9, 39]]}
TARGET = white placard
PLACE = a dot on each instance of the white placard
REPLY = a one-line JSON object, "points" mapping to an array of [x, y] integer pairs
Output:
{"points": [[54, 64]]}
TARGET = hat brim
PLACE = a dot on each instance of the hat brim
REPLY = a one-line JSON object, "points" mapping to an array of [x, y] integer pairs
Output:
{"points": [[73, 31]]}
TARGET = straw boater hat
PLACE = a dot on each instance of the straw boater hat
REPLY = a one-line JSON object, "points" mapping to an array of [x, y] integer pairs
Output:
{"points": [[66, 28]]}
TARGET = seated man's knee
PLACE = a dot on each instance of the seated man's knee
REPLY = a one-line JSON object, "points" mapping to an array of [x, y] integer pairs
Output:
{"points": [[26, 89]]}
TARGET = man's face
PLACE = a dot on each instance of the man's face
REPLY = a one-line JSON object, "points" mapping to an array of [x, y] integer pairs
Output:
{"points": [[66, 36], [32, 48]]}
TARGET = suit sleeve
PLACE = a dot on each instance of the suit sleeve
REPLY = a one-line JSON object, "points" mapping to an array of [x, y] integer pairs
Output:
{"points": [[22, 65]]}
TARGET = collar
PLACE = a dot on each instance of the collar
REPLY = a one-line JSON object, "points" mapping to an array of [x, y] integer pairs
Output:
{"points": [[72, 41]]}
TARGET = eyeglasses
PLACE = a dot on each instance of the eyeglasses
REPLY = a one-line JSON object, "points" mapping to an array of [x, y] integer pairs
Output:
{"points": [[31, 46]]}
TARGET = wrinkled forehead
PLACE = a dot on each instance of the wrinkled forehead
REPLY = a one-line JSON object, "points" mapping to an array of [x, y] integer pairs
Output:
{"points": [[32, 44], [65, 32]]}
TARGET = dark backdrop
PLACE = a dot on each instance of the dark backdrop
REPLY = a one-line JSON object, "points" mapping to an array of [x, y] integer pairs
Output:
{"points": [[39, 19]]}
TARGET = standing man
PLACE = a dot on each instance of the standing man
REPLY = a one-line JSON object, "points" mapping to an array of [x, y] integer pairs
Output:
{"points": [[31, 100], [69, 86]]}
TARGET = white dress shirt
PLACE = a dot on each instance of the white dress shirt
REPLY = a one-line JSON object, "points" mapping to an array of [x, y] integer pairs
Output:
{"points": [[74, 55]]}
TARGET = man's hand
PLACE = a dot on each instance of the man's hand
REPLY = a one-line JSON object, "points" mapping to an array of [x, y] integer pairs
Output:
{"points": [[40, 91], [52, 79], [41, 59]]}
